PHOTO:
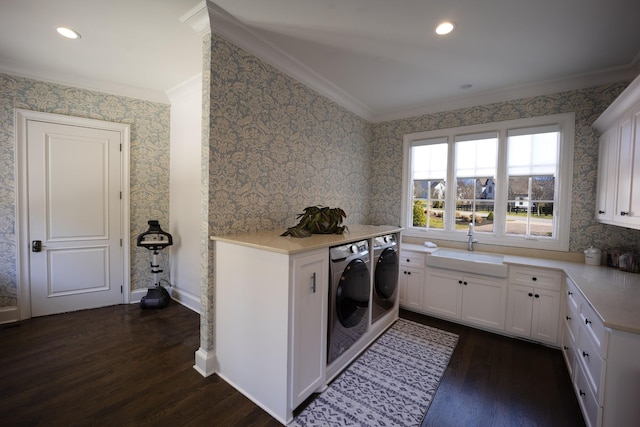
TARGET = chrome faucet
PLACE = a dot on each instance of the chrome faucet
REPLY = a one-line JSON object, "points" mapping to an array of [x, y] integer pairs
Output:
{"points": [[471, 240]]}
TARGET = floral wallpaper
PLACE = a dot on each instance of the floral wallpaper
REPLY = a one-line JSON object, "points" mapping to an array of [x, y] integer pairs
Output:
{"points": [[149, 157], [587, 104], [277, 146]]}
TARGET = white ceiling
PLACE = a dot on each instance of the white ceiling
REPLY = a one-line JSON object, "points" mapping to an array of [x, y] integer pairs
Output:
{"points": [[379, 58]]}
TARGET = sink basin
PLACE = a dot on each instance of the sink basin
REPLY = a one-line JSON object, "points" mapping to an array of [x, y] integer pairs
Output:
{"points": [[469, 262]]}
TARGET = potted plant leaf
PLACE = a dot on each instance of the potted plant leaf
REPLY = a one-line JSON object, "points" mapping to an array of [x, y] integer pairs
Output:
{"points": [[318, 220]]}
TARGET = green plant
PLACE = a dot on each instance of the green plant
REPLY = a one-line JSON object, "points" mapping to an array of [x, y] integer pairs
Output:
{"points": [[318, 220], [419, 217]]}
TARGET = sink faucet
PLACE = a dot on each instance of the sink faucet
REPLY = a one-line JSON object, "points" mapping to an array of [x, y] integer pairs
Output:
{"points": [[471, 240]]}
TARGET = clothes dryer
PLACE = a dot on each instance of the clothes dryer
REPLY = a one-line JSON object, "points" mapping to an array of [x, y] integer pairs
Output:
{"points": [[385, 276], [349, 294]]}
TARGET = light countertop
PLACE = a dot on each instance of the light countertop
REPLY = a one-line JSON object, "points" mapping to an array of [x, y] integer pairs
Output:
{"points": [[273, 242], [614, 294]]}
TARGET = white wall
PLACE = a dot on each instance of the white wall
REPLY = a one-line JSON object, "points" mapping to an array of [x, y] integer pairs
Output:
{"points": [[185, 194]]}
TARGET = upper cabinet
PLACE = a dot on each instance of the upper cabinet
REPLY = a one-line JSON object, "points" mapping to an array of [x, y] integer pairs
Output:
{"points": [[618, 196]]}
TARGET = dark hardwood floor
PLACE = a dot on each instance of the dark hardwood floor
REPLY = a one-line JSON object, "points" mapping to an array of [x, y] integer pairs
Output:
{"points": [[123, 366]]}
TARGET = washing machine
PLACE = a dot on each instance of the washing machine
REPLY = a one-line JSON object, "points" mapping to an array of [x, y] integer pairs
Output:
{"points": [[385, 275], [349, 294]]}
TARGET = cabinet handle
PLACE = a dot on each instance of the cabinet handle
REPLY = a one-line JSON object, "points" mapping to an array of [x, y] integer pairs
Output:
{"points": [[585, 354], [530, 294], [537, 296], [409, 273], [534, 278], [569, 293], [464, 283], [408, 260], [568, 317], [622, 213], [582, 393], [313, 282], [587, 321], [600, 212], [565, 348], [460, 282]]}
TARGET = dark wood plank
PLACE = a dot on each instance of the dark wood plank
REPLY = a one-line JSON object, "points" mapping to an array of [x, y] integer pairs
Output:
{"points": [[125, 366]]}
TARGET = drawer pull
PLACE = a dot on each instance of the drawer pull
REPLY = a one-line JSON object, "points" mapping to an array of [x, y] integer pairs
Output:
{"points": [[569, 293], [587, 321], [534, 278], [568, 317], [623, 213], [585, 354], [582, 393], [408, 260], [600, 212]]}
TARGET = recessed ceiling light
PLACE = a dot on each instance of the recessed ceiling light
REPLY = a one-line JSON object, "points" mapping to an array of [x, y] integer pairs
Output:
{"points": [[445, 28], [68, 33]]}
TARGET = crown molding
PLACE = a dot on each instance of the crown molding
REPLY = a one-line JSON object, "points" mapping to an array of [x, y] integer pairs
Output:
{"points": [[230, 28], [198, 19], [623, 103]]}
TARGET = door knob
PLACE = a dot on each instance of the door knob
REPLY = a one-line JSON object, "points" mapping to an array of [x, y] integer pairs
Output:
{"points": [[36, 246]]}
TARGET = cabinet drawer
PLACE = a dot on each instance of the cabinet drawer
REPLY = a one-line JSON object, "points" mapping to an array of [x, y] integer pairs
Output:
{"points": [[572, 324], [574, 298], [536, 277], [586, 398], [412, 259], [569, 349], [594, 366], [595, 329]]}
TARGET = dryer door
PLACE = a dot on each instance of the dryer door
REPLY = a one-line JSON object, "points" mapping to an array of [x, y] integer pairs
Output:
{"points": [[386, 276], [352, 294]]}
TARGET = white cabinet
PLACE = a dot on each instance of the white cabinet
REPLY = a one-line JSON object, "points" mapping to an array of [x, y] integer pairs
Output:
{"points": [[627, 211], [603, 364], [411, 279], [271, 324], [533, 306], [607, 175], [619, 162], [477, 300], [310, 279]]}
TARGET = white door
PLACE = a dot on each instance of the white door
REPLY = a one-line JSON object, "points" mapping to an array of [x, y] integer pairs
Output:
{"points": [[74, 187]]}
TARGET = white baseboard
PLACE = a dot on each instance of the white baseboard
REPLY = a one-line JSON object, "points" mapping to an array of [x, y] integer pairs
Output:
{"points": [[187, 299], [8, 314], [205, 362]]}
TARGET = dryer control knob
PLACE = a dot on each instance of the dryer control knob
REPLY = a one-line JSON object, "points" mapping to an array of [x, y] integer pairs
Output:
{"points": [[354, 249]]}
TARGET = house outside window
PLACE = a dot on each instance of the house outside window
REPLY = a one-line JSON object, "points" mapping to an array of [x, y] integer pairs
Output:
{"points": [[511, 179]]}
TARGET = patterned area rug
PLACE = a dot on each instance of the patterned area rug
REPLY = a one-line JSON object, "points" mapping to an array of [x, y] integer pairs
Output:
{"points": [[391, 384]]}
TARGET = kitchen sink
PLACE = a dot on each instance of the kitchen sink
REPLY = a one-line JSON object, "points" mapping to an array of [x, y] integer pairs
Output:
{"points": [[469, 262]]}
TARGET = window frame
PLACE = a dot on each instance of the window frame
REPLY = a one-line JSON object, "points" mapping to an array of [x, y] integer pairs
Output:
{"points": [[560, 241]]}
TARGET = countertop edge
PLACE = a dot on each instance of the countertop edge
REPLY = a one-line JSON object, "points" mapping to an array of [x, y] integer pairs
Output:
{"points": [[587, 278]]}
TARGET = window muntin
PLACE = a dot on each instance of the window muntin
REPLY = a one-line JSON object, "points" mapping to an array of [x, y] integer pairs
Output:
{"points": [[534, 174], [475, 170], [532, 166], [429, 174]]}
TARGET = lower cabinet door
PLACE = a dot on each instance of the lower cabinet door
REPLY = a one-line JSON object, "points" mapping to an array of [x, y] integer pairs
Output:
{"points": [[483, 302], [310, 289], [519, 309], [545, 317], [442, 293]]}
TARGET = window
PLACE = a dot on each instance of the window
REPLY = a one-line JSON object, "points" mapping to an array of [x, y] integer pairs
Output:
{"points": [[511, 180]]}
